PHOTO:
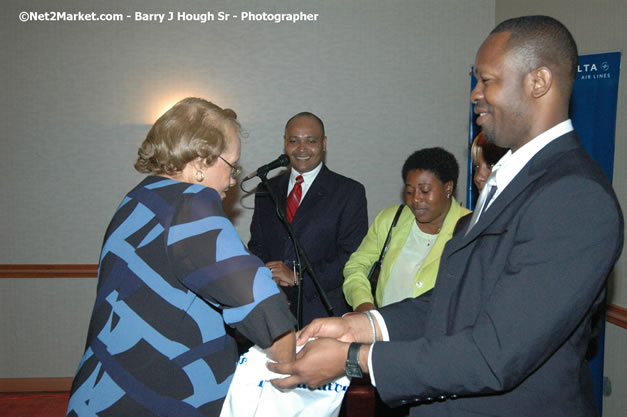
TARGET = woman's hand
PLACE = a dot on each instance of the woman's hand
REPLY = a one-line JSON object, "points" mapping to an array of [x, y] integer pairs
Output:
{"points": [[284, 348], [363, 307]]}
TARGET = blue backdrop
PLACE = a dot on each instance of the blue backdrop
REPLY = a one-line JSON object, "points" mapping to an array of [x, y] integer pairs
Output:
{"points": [[593, 112]]}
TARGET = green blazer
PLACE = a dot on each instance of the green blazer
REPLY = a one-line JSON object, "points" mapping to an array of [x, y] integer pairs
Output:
{"points": [[356, 285]]}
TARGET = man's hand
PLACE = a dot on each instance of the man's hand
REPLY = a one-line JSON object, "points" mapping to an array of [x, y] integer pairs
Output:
{"points": [[354, 328], [282, 274], [318, 363]]}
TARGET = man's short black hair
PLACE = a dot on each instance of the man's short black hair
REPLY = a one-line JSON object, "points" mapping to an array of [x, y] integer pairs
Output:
{"points": [[543, 41]]}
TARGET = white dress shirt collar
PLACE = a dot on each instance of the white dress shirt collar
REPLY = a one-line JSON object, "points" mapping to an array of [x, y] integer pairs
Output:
{"points": [[308, 179], [513, 162]]}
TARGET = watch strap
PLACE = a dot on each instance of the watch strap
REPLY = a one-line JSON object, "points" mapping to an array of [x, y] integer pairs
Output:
{"points": [[353, 369]]}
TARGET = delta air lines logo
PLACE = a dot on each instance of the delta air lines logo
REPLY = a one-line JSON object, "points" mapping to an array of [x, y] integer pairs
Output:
{"points": [[594, 71]]}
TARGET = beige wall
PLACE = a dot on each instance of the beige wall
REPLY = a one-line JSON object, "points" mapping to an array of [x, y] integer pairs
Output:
{"points": [[598, 26]]}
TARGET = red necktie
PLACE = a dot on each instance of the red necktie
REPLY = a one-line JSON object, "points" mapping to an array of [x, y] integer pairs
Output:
{"points": [[293, 200]]}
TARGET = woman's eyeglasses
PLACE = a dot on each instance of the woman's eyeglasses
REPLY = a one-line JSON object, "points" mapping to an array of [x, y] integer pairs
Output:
{"points": [[235, 170]]}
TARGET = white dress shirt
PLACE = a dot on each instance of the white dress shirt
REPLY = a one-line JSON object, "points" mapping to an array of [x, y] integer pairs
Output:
{"points": [[513, 162], [308, 179]]}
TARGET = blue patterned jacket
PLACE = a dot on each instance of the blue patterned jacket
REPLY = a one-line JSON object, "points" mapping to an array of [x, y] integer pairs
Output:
{"points": [[172, 272]]}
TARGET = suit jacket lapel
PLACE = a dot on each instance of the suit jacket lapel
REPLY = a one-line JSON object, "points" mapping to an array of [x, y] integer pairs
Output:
{"points": [[534, 169], [518, 185], [317, 191], [282, 182]]}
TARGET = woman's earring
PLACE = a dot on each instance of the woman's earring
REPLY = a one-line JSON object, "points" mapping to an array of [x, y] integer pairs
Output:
{"points": [[200, 176]]}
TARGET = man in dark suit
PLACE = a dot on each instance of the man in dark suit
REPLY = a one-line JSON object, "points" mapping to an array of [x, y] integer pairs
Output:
{"points": [[330, 219], [505, 330]]}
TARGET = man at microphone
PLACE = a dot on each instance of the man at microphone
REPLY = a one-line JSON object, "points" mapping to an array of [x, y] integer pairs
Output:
{"points": [[328, 214]]}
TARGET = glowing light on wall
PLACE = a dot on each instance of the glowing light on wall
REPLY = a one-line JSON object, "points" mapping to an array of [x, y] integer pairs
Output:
{"points": [[163, 105], [163, 102]]}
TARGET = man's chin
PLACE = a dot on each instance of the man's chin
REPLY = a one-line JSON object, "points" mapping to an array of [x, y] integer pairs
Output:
{"points": [[301, 168]]}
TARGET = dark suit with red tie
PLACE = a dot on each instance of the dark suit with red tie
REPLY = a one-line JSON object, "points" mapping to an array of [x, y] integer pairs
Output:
{"points": [[330, 223]]}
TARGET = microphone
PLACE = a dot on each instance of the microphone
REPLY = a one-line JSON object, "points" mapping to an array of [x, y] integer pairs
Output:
{"points": [[281, 161]]}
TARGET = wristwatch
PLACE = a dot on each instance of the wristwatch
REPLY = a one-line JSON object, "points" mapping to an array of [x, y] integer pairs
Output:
{"points": [[352, 369]]}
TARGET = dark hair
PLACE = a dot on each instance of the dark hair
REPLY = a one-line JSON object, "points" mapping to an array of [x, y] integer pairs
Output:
{"points": [[542, 41], [307, 114], [192, 128], [437, 160]]}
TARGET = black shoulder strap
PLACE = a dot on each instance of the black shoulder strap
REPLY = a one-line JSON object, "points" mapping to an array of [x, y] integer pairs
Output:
{"points": [[389, 236]]}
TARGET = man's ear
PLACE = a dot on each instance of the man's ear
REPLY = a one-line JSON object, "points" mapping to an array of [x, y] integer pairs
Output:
{"points": [[540, 81]]}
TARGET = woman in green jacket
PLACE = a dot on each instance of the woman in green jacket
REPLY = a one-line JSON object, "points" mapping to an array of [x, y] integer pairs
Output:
{"points": [[426, 223]]}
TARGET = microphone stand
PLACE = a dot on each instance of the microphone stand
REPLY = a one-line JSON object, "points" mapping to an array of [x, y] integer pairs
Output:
{"points": [[303, 261]]}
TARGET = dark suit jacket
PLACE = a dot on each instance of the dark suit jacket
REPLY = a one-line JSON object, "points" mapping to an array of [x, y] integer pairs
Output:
{"points": [[330, 223], [504, 332]]}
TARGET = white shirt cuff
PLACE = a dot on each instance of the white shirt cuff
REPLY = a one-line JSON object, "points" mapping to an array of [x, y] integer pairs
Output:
{"points": [[384, 330], [386, 338]]}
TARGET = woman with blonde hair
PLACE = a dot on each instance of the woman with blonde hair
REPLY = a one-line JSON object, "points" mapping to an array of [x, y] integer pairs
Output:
{"points": [[173, 271]]}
